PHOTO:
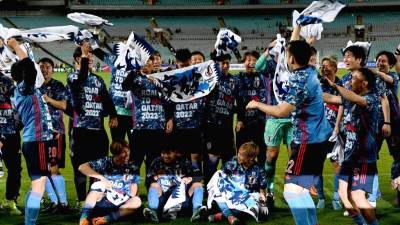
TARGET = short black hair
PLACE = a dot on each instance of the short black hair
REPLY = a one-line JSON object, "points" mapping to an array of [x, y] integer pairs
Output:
{"points": [[225, 57], [77, 53], [358, 52], [369, 76], [117, 146], [301, 51], [198, 53], [392, 59], [46, 60], [253, 53], [157, 53], [313, 50], [183, 55]]}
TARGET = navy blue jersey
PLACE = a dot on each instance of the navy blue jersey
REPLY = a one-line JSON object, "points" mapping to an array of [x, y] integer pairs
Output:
{"points": [[189, 115], [121, 176], [182, 167], [221, 101], [362, 130], [8, 123], [394, 88], [89, 98], [55, 90], [253, 86], [253, 178], [331, 110]]}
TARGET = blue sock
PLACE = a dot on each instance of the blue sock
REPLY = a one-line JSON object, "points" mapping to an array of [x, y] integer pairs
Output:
{"points": [[87, 210], [195, 164], [225, 209], [358, 219], [375, 222], [336, 187], [51, 192], [302, 207], [320, 187], [32, 207], [270, 174], [153, 198], [59, 184], [197, 200], [375, 190]]}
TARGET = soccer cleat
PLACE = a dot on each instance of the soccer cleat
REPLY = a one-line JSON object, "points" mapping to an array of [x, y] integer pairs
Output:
{"points": [[373, 204], [321, 204], [270, 200], [10, 207], [150, 215], [215, 218], [51, 208], [336, 205], [198, 214], [99, 221], [84, 221], [233, 220]]}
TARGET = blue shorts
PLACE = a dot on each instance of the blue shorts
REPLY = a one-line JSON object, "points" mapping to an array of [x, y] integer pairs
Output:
{"points": [[104, 207], [359, 176], [36, 154], [305, 163]]}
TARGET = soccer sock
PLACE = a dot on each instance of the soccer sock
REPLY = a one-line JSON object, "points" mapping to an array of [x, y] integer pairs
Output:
{"points": [[375, 189], [358, 219], [302, 207], [87, 210], [114, 216], [196, 165], [375, 222], [212, 164], [153, 198], [32, 207], [336, 187], [197, 199], [59, 184], [320, 187], [270, 171], [51, 193], [225, 209]]}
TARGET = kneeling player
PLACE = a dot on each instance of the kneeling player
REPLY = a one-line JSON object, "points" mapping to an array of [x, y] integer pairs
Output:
{"points": [[168, 173], [115, 193]]}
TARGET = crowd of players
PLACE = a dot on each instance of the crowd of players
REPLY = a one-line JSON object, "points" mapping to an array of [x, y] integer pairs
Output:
{"points": [[189, 139]]}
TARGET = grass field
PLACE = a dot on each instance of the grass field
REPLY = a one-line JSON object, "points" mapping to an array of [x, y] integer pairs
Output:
{"points": [[387, 213]]}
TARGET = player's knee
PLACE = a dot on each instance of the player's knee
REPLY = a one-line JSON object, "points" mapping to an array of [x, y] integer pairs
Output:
{"points": [[155, 185], [197, 185], [135, 202]]}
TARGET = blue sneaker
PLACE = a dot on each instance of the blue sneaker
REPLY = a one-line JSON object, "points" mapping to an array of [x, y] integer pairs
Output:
{"points": [[321, 204], [336, 205]]}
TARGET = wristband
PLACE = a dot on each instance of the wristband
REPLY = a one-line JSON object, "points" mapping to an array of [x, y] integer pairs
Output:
{"points": [[388, 123]]}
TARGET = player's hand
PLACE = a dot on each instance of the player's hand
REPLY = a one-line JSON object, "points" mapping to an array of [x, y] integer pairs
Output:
{"points": [[187, 180], [107, 183], [12, 43], [169, 126], [386, 130], [252, 105], [239, 126], [151, 79], [113, 122], [332, 84], [85, 47]]}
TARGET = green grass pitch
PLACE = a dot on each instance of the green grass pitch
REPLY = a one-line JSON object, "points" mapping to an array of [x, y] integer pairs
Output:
{"points": [[386, 212]]}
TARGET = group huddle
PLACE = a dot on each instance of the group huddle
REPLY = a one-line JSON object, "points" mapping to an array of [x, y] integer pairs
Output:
{"points": [[182, 142]]}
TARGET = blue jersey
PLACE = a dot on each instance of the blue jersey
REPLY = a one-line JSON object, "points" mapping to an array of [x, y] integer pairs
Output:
{"points": [[309, 121], [55, 90], [34, 113], [253, 178], [121, 176], [189, 115], [90, 101], [118, 75], [362, 130], [331, 110], [8, 123], [253, 86], [148, 104], [221, 101], [393, 89]]}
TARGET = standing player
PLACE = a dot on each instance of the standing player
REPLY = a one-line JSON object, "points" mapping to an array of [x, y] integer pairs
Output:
{"points": [[311, 131], [197, 57], [10, 140], [38, 130], [90, 103], [361, 148], [54, 93], [219, 128], [115, 194]]}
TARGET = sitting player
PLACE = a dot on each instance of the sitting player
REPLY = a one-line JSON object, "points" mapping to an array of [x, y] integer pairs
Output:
{"points": [[117, 187], [249, 174], [164, 177]]}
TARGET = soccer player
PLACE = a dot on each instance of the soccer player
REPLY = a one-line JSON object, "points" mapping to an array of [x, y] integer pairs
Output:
{"points": [[89, 102], [151, 115], [328, 71], [54, 93], [10, 140], [244, 164], [197, 57], [183, 58], [171, 164], [156, 62], [38, 130], [116, 173], [311, 131], [276, 129], [251, 123], [219, 110], [361, 150]]}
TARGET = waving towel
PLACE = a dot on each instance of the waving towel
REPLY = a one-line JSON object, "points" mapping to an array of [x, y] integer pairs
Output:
{"points": [[365, 45], [280, 84], [88, 19], [226, 41], [174, 185], [186, 84], [320, 11]]}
